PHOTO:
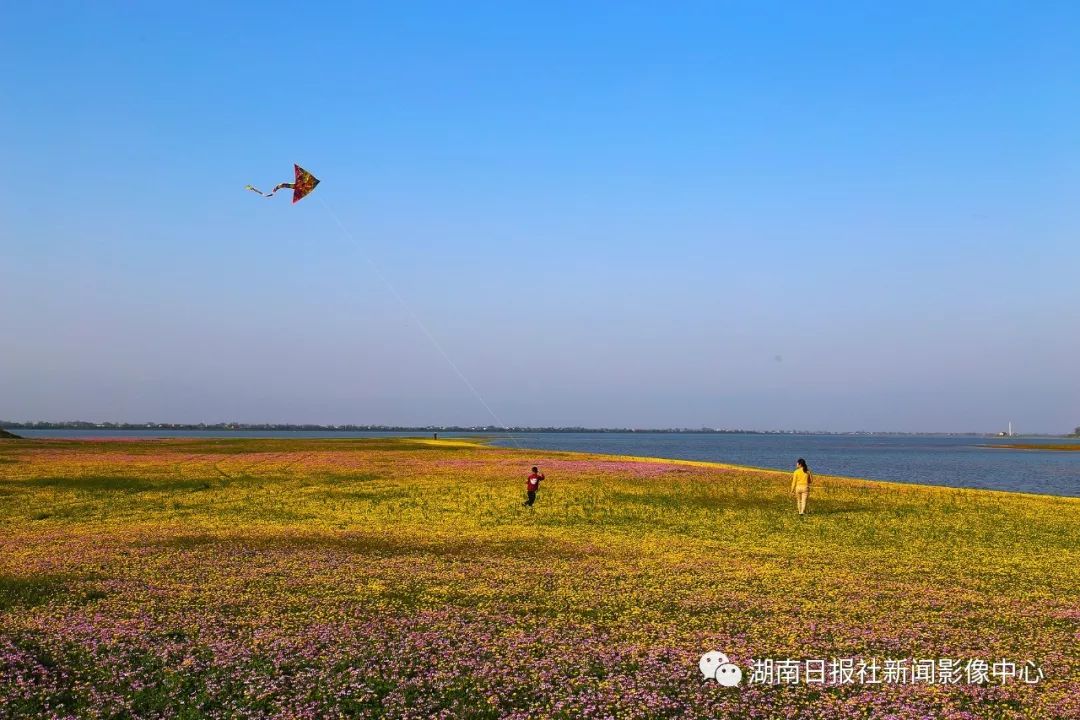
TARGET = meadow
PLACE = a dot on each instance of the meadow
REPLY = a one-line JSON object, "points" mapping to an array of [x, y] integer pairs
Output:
{"points": [[403, 578]]}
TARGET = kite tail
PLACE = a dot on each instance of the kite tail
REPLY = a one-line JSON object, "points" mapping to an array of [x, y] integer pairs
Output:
{"points": [[280, 186]]}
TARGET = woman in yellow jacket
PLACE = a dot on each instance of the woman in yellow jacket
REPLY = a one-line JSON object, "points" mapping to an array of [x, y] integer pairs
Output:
{"points": [[800, 484]]}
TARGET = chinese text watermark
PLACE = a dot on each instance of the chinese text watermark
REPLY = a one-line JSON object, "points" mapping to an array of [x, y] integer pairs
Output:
{"points": [[870, 671]]}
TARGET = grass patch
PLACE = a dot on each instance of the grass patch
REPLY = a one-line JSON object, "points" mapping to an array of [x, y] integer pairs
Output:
{"points": [[118, 484], [16, 591], [1038, 446]]}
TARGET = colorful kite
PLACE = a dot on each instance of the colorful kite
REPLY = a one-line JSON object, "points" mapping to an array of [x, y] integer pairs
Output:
{"points": [[305, 182]]}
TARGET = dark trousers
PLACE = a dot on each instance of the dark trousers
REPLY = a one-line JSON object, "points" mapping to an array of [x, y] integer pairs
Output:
{"points": [[532, 497]]}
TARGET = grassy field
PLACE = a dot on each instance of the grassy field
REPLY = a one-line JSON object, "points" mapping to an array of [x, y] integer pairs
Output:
{"points": [[404, 578]]}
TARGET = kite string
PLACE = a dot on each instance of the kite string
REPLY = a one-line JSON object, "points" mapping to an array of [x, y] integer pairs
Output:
{"points": [[420, 323]]}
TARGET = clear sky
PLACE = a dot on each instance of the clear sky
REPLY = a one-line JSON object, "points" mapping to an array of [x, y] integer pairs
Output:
{"points": [[745, 215]]}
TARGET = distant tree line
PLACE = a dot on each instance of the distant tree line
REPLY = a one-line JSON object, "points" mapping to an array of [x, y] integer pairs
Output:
{"points": [[311, 427]]}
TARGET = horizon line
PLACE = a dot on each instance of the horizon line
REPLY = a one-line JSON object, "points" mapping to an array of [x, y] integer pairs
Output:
{"points": [[384, 427]]}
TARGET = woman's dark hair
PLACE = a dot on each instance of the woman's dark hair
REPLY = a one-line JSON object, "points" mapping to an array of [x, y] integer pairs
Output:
{"points": [[535, 470], [802, 463]]}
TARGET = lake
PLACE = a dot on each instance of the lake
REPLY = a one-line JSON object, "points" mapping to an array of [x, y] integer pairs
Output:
{"points": [[951, 460]]}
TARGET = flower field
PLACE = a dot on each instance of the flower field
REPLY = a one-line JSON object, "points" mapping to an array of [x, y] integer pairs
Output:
{"points": [[404, 578]]}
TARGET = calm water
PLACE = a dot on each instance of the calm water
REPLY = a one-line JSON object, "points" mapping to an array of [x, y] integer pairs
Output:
{"points": [[956, 461]]}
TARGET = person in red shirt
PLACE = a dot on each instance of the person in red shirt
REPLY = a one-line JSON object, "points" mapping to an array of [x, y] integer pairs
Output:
{"points": [[532, 485]]}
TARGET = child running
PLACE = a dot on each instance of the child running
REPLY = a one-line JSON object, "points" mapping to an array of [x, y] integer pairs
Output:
{"points": [[532, 485]]}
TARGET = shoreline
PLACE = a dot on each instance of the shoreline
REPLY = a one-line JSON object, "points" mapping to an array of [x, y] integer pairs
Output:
{"points": [[1062, 447], [485, 441], [846, 479]]}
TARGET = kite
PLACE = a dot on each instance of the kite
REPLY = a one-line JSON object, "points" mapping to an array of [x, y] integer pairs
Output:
{"points": [[305, 182]]}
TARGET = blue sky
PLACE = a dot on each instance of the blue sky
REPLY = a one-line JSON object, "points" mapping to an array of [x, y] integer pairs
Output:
{"points": [[746, 215]]}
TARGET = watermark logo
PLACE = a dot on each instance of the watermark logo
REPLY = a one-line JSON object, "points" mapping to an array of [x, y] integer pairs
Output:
{"points": [[716, 666]]}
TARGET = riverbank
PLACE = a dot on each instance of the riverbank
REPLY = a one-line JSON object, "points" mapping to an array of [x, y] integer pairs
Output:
{"points": [[1039, 446], [952, 461], [404, 578]]}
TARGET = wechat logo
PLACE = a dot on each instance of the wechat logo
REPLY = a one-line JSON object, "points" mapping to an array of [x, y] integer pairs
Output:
{"points": [[715, 666]]}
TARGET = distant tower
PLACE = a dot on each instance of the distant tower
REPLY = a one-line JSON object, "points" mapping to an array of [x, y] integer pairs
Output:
{"points": [[1010, 428]]}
